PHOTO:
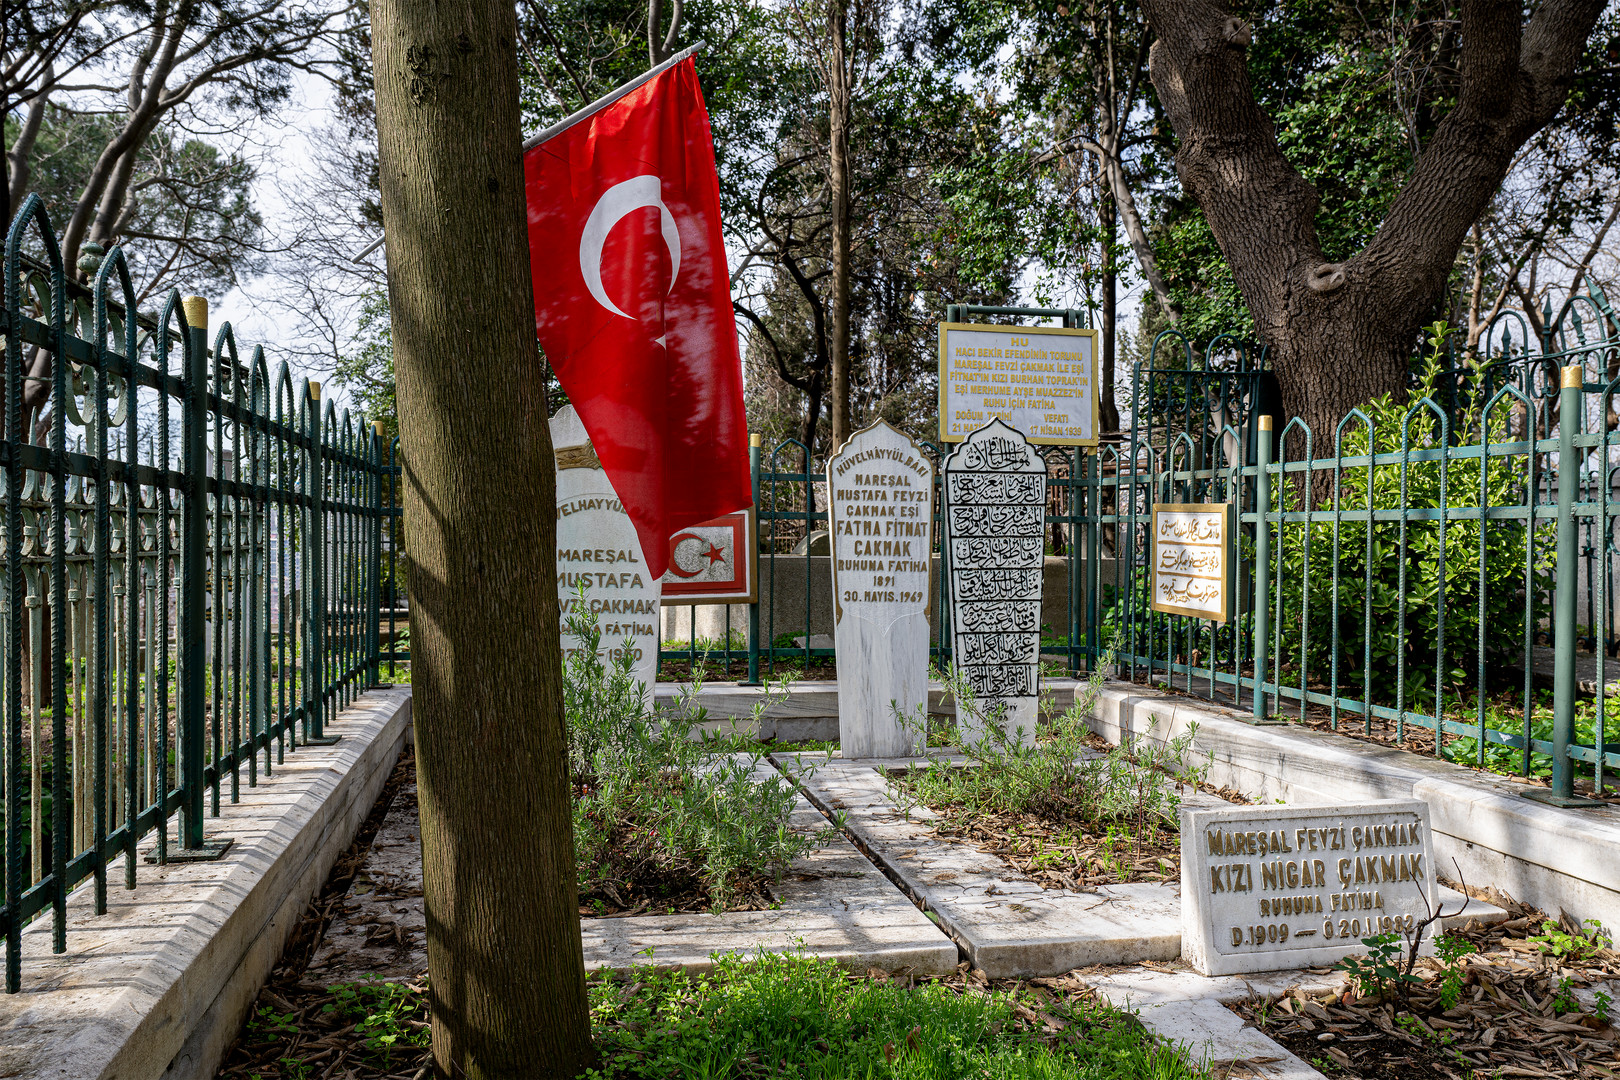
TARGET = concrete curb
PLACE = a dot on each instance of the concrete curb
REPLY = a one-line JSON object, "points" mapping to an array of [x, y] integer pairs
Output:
{"points": [[159, 986]]}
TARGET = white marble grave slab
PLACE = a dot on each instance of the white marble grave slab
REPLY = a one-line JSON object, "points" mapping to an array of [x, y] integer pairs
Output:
{"points": [[597, 547], [995, 525], [881, 488], [1271, 887]]}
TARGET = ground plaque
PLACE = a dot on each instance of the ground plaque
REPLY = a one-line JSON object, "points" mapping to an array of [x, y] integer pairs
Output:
{"points": [[995, 525], [597, 548], [1270, 887], [881, 487]]}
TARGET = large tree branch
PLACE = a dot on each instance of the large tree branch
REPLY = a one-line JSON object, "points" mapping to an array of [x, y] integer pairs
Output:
{"points": [[1514, 79], [1261, 211], [780, 361]]}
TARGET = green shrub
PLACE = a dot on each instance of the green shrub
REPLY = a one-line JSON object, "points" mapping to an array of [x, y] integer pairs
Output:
{"points": [[659, 806], [1369, 576], [1378, 645]]}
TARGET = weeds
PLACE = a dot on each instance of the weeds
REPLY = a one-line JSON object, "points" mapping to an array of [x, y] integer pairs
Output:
{"points": [[1130, 792], [798, 1018], [1567, 947], [661, 807], [387, 1015]]}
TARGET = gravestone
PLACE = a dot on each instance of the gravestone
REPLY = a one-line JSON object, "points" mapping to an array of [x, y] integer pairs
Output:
{"points": [[995, 525], [597, 548], [881, 487], [1265, 888]]}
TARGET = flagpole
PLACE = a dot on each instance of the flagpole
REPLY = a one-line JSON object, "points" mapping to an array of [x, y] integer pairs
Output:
{"points": [[563, 125], [607, 99]]}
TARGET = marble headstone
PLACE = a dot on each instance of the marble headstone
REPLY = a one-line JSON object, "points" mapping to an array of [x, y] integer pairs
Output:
{"points": [[597, 548], [995, 523], [1265, 888], [881, 523]]}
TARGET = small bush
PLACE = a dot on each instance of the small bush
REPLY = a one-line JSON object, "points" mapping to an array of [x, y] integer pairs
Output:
{"points": [[661, 808], [1495, 565]]}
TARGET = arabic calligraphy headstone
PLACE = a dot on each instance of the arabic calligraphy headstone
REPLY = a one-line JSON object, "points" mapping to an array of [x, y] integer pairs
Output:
{"points": [[881, 487], [1190, 545], [597, 548], [995, 525]]}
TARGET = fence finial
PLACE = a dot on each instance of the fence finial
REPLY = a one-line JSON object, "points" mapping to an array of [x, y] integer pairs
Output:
{"points": [[1572, 375], [196, 309], [1265, 423], [314, 390], [755, 439]]}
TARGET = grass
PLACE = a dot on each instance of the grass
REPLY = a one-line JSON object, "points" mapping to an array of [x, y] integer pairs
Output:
{"points": [[797, 1018]]}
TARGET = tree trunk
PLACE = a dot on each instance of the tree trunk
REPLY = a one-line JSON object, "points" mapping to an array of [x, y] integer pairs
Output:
{"points": [[504, 956], [1340, 333], [838, 91], [1107, 409]]}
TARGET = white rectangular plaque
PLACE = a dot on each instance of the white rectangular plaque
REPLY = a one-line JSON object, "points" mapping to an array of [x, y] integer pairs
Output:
{"points": [[1038, 380], [1192, 543], [1265, 888]]}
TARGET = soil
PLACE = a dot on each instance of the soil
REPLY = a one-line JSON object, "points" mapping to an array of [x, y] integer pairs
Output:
{"points": [[1067, 857], [671, 893], [820, 667], [1520, 1013], [294, 1028]]}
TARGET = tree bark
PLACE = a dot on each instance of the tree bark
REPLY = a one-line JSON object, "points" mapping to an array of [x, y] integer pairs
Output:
{"points": [[1107, 408], [838, 98], [504, 957], [1340, 333]]}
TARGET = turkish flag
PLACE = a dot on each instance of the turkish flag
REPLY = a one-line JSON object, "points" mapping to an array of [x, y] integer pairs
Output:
{"points": [[632, 302]]}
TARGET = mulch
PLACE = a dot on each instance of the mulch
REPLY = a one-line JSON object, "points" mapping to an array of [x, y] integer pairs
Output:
{"points": [[668, 895], [1030, 844], [294, 1030], [1517, 1016], [1067, 855]]}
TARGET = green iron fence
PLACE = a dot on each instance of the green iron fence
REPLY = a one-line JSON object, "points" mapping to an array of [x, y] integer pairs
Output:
{"points": [[1437, 573], [191, 576], [1417, 573]]}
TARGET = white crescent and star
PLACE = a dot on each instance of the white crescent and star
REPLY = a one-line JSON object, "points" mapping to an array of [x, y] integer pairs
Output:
{"points": [[617, 201]]}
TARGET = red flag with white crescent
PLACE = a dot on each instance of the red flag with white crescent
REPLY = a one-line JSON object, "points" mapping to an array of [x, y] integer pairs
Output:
{"points": [[632, 302]]}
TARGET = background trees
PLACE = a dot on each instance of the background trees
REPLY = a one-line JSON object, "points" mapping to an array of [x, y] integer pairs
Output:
{"points": [[878, 163]]}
